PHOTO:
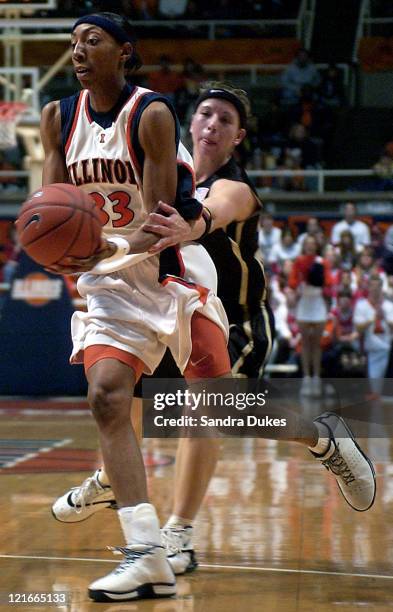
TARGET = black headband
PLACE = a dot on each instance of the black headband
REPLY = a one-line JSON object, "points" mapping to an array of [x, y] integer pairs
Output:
{"points": [[223, 94], [109, 26]]}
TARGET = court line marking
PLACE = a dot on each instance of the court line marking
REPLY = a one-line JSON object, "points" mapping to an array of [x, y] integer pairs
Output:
{"points": [[282, 570]]}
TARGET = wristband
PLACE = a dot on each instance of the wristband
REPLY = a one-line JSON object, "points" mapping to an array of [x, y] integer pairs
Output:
{"points": [[208, 219], [122, 246]]}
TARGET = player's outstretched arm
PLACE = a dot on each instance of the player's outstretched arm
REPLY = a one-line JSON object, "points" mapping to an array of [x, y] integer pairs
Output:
{"points": [[228, 201]]}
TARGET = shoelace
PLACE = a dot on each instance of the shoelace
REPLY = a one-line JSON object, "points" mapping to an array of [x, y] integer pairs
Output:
{"points": [[131, 555], [173, 539], [88, 489], [337, 464]]}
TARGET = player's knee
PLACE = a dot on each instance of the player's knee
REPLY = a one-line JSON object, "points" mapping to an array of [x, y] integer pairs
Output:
{"points": [[110, 406]]}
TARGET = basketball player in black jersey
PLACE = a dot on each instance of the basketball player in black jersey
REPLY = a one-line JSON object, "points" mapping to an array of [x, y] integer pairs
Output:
{"points": [[228, 232]]}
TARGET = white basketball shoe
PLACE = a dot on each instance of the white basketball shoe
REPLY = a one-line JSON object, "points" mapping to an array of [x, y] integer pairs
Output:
{"points": [[81, 502], [352, 469], [144, 574], [179, 549]]}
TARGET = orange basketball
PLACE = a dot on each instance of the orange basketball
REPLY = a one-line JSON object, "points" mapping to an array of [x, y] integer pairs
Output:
{"points": [[58, 221]]}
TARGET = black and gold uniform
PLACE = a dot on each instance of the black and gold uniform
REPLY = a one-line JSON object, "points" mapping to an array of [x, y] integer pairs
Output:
{"points": [[241, 282]]}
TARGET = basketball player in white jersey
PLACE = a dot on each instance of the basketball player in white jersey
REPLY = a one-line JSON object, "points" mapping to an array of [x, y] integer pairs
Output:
{"points": [[217, 127], [120, 143]]}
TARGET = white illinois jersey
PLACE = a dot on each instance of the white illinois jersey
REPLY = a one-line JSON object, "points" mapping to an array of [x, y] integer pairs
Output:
{"points": [[146, 307], [104, 158]]}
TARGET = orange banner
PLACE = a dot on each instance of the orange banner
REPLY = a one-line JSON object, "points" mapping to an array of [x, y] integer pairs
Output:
{"points": [[376, 53], [233, 51]]}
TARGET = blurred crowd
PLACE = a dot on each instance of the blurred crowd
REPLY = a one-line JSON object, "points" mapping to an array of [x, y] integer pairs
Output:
{"points": [[297, 128], [292, 133], [184, 9], [332, 294]]}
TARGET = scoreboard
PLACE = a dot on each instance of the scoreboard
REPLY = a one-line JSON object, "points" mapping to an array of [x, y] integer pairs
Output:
{"points": [[30, 4]]}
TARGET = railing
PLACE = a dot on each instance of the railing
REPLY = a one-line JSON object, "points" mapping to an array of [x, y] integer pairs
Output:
{"points": [[319, 174], [363, 12], [279, 194], [369, 22]]}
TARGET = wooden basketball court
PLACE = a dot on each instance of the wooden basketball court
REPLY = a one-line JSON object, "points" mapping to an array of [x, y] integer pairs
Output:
{"points": [[274, 533]]}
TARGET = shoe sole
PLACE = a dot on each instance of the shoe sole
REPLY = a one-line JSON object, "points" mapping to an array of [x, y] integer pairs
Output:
{"points": [[351, 435], [145, 591], [112, 506]]}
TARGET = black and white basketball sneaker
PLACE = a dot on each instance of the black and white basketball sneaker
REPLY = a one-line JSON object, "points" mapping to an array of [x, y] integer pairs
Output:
{"points": [[179, 549], [81, 502], [144, 574], [350, 466]]}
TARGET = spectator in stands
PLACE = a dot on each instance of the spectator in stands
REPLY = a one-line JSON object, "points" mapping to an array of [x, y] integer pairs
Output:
{"points": [[347, 250], [299, 140], [172, 9], [312, 228], [377, 241], [331, 98], [359, 230], [388, 289], [301, 71], [346, 334], [366, 266], [344, 354], [373, 318], [146, 9], [165, 80], [268, 235], [348, 281], [322, 239], [331, 89], [291, 160], [311, 278], [285, 248], [384, 168], [288, 337], [387, 260], [332, 256], [308, 112], [194, 10]]}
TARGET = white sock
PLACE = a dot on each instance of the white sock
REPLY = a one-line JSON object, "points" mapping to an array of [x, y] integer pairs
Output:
{"points": [[323, 442], [179, 522], [140, 524]]}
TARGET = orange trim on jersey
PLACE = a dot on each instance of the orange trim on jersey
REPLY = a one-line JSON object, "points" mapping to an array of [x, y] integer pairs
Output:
{"points": [[203, 292], [96, 352], [89, 118], [128, 135], [180, 260], [74, 123], [191, 169], [209, 355]]}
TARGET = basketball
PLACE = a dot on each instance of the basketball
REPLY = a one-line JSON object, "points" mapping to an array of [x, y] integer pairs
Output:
{"points": [[58, 221]]}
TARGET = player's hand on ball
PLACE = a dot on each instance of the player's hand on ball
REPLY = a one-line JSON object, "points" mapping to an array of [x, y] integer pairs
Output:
{"points": [[169, 225], [76, 265]]}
